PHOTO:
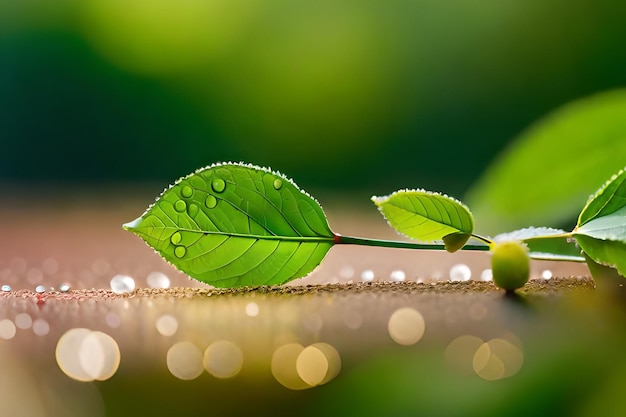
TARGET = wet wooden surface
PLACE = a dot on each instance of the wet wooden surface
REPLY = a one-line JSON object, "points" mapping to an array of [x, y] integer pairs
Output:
{"points": [[368, 320]]}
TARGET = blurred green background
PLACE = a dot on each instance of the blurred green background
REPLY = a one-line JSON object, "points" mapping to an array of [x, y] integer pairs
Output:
{"points": [[365, 96]]}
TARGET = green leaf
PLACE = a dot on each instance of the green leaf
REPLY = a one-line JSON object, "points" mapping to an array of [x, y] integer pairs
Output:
{"points": [[605, 252], [601, 228], [233, 225], [608, 227], [455, 241], [546, 174], [545, 243], [427, 216], [609, 199]]}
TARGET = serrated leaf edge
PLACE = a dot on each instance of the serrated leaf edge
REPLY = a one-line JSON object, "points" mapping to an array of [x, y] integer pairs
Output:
{"points": [[226, 164], [378, 200], [598, 193]]}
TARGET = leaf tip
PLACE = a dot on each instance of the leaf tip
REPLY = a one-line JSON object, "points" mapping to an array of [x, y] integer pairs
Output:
{"points": [[378, 200], [130, 226]]}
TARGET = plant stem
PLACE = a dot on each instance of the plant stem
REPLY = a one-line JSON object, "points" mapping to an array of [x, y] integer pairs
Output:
{"points": [[350, 240], [482, 239]]}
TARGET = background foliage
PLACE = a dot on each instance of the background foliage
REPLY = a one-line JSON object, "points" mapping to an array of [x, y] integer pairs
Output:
{"points": [[354, 95]]}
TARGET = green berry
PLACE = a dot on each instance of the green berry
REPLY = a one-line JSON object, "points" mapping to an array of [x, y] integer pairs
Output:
{"points": [[510, 265]]}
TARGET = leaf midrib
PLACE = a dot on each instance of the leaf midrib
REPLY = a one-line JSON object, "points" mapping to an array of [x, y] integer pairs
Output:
{"points": [[254, 236]]}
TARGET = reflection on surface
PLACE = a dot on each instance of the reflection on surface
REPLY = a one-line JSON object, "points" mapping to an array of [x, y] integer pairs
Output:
{"points": [[406, 326], [318, 363], [167, 325], [297, 367], [7, 329], [494, 359], [87, 355], [223, 359], [497, 359], [184, 361]]}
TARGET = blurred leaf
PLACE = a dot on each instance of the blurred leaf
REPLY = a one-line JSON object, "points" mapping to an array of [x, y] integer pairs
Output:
{"points": [[232, 225], [545, 243], [426, 216], [552, 166]]}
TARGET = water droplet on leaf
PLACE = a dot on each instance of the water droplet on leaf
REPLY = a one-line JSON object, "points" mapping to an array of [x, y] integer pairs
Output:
{"points": [[180, 251], [176, 238], [192, 210], [218, 185], [180, 206], [187, 191], [210, 201], [278, 184]]}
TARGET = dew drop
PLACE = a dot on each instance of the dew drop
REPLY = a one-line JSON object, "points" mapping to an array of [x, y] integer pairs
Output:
{"points": [[187, 191], [180, 251], [278, 184], [176, 238], [39, 289], [460, 272], [158, 279], [486, 275], [180, 206], [397, 275], [367, 275], [64, 287], [218, 185], [546, 274], [210, 201], [5, 288], [122, 283], [192, 210]]}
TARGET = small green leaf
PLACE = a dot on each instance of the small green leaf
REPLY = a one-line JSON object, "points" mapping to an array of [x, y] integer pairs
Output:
{"points": [[455, 241], [426, 216], [609, 199], [545, 243], [233, 225], [601, 228]]}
